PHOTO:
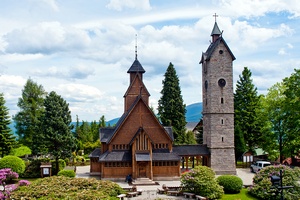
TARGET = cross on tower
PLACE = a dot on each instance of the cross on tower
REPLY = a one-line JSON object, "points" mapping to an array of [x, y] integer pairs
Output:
{"points": [[215, 16]]}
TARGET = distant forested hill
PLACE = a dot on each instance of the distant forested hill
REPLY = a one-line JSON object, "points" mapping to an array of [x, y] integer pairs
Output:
{"points": [[193, 114]]}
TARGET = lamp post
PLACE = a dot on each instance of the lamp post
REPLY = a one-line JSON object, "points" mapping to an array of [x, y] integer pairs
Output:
{"points": [[277, 183]]}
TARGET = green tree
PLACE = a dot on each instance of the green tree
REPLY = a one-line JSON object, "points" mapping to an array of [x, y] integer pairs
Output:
{"points": [[246, 104], [274, 138], [292, 113], [102, 122], [21, 151], [171, 108], [7, 139], [240, 146], [31, 108], [56, 125]]}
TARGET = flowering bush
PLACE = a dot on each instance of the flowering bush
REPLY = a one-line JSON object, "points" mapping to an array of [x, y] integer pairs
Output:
{"points": [[7, 176], [24, 183], [262, 185], [201, 180], [61, 187]]}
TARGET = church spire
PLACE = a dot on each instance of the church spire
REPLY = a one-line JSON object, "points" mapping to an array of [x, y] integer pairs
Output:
{"points": [[216, 31], [136, 46]]}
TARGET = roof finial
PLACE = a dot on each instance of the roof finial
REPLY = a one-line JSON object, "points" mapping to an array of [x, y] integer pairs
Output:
{"points": [[215, 16], [136, 46]]}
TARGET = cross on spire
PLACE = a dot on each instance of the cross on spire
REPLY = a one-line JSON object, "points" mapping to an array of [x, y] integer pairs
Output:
{"points": [[215, 16]]}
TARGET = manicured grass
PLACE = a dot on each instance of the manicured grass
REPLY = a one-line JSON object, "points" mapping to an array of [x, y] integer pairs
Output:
{"points": [[241, 196]]}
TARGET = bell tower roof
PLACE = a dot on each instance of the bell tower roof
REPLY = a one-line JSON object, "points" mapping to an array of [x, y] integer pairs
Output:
{"points": [[136, 67], [216, 30]]}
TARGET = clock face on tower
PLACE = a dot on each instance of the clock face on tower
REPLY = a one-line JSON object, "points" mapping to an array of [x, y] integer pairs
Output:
{"points": [[221, 82]]}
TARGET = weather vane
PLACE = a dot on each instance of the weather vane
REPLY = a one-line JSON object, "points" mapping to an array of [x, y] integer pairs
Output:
{"points": [[215, 16], [135, 46]]}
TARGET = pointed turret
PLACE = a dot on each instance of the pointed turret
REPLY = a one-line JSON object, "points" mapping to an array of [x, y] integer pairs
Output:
{"points": [[215, 32]]}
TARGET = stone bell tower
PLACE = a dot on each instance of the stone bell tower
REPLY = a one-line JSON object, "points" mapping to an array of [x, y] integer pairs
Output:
{"points": [[218, 103]]}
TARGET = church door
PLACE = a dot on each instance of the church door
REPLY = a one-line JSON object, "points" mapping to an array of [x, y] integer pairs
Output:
{"points": [[142, 170]]}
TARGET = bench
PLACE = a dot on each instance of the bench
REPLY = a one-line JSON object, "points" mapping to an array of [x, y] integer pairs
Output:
{"points": [[161, 191], [121, 196], [188, 195], [131, 194], [200, 197], [173, 192]]}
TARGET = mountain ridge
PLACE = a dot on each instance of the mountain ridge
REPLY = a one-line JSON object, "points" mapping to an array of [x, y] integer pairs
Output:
{"points": [[193, 114]]}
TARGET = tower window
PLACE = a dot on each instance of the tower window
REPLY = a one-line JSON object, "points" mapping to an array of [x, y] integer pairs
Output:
{"points": [[222, 121], [221, 52], [222, 139], [222, 100]]}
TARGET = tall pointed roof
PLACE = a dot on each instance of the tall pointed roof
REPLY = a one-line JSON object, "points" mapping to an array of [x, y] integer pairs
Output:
{"points": [[136, 67], [216, 30]]}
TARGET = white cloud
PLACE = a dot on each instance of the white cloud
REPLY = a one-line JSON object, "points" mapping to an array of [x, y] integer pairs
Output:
{"points": [[76, 72], [45, 38], [119, 5]]}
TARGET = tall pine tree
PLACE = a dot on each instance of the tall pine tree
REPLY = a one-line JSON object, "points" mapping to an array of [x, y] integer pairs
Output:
{"points": [[31, 108], [57, 136], [171, 108], [246, 105], [7, 139]]}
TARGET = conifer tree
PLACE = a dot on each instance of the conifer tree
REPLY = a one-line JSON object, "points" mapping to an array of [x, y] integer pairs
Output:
{"points": [[246, 105], [57, 128], [7, 139], [171, 108], [31, 108]]}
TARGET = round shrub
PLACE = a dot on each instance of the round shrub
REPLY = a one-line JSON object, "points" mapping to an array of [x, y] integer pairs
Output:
{"points": [[67, 173], [15, 163], [262, 186], [231, 184], [201, 180]]}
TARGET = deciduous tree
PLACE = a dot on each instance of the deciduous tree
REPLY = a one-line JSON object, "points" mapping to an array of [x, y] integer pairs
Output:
{"points": [[292, 113]]}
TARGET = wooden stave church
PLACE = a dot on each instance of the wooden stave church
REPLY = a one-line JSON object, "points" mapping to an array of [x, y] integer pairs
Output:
{"points": [[140, 146]]}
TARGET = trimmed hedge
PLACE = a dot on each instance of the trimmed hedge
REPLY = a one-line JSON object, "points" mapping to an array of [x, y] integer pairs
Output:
{"points": [[67, 173], [15, 163], [231, 184]]}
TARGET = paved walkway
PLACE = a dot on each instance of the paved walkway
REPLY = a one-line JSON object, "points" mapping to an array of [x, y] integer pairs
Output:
{"points": [[150, 191]]}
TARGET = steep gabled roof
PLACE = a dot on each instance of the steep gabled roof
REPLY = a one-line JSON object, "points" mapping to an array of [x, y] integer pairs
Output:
{"points": [[212, 47], [109, 134], [135, 79], [136, 67], [207, 55], [137, 133]]}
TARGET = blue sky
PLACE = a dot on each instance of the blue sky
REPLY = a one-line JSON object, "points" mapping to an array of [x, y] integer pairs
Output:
{"points": [[83, 49]]}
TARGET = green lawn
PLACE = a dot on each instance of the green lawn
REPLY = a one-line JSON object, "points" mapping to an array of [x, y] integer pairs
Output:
{"points": [[241, 196]]}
